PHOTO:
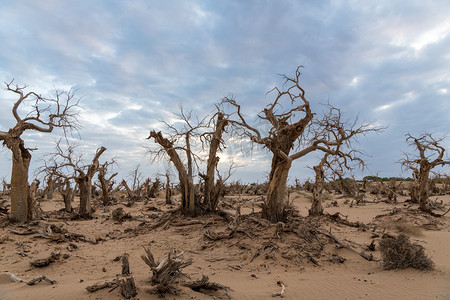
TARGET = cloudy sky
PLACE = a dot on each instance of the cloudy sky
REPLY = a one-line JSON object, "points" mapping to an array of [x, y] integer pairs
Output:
{"points": [[134, 62]]}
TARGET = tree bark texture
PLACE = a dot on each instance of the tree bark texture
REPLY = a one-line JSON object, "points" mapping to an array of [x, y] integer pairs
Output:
{"points": [[19, 180]]}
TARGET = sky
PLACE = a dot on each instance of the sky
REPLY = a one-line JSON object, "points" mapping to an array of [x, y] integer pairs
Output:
{"points": [[133, 63]]}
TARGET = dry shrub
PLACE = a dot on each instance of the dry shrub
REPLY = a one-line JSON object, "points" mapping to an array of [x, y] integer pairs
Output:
{"points": [[408, 229], [399, 253]]}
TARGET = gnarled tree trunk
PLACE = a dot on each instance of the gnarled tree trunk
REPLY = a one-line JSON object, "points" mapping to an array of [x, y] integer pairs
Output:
{"points": [[273, 209], [19, 183], [423, 189], [316, 206], [84, 183]]}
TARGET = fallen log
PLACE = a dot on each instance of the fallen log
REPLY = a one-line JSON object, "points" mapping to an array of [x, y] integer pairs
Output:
{"points": [[100, 286], [364, 255]]}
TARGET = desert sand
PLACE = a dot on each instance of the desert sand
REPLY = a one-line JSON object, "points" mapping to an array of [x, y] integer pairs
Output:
{"points": [[252, 262]]}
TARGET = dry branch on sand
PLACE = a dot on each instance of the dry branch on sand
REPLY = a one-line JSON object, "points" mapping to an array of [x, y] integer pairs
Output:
{"points": [[43, 262], [32, 281]]}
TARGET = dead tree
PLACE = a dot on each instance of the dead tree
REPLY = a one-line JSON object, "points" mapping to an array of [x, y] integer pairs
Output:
{"points": [[211, 141], [106, 183], [288, 128], [5, 187], [50, 186], [431, 154], [45, 114], [151, 188], [340, 155], [185, 173], [82, 173], [68, 194], [174, 150], [316, 206], [168, 190]]}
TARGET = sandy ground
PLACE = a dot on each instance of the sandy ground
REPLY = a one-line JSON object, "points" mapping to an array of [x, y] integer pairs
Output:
{"points": [[228, 262]]}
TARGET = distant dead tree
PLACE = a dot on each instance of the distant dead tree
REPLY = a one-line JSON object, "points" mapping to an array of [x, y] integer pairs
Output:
{"points": [[68, 162], [289, 127], [5, 187], [431, 154], [135, 192], [106, 183], [68, 194], [168, 193], [45, 114]]}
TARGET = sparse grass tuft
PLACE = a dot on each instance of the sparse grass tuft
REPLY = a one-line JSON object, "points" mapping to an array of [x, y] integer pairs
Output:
{"points": [[408, 229]]}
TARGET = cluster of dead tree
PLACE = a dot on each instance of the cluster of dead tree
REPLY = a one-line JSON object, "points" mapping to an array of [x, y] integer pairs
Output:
{"points": [[193, 146]]}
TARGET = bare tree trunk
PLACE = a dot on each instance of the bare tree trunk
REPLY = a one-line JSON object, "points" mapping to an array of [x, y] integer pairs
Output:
{"points": [[19, 182], [316, 206], [273, 210], [105, 188], [210, 194], [50, 187], [68, 194], [184, 176], [85, 197], [423, 189], [168, 191]]}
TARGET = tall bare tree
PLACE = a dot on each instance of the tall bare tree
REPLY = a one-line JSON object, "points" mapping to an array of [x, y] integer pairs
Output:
{"points": [[431, 154], [213, 141], [340, 155], [289, 125], [181, 148], [45, 114], [173, 150]]}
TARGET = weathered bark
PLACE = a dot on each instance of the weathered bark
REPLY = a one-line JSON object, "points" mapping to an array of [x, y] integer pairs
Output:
{"points": [[85, 187], [273, 209], [211, 195], [316, 206], [68, 193], [105, 184], [84, 181], [423, 188], [19, 181], [168, 190], [50, 187]]}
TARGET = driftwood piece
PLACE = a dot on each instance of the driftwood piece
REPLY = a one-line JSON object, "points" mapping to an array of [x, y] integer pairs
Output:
{"points": [[364, 255], [100, 286], [32, 281], [283, 289], [43, 262], [39, 278]]}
